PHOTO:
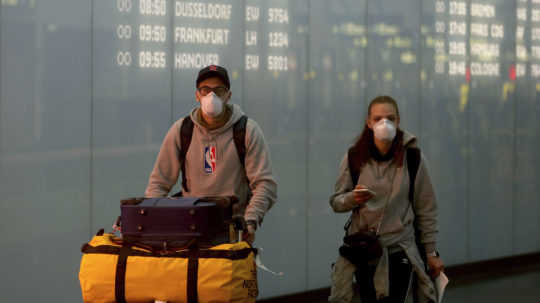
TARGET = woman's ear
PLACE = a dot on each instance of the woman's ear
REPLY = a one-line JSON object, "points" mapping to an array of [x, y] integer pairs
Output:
{"points": [[369, 124]]}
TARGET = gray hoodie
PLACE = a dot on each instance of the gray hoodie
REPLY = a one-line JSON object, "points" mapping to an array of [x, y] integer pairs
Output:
{"points": [[228, 177], [391, 185]]}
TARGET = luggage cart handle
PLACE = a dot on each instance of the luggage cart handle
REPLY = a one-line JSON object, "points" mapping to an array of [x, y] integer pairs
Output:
{"points": [[240, 225]]}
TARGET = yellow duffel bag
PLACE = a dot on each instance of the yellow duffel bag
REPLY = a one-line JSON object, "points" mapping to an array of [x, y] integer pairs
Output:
{"points": [[115, 272]]}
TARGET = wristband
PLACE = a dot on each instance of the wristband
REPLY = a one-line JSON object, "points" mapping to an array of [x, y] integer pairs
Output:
{"points": [[253, 223], [433, 254]]}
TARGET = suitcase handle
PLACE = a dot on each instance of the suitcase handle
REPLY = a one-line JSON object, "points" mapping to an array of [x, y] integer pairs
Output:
{"points": [[223, 202], [132, 201]]}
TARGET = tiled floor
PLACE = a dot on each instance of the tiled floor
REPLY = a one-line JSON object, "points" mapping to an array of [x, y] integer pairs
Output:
{"points": [[522, 288]]}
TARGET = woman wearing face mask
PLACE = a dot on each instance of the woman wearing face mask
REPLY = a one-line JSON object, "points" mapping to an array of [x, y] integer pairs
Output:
{"points": [[384, 226]]}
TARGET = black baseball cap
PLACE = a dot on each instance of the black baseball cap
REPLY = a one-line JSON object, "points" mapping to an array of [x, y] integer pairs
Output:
{"points": [[214, 71]]}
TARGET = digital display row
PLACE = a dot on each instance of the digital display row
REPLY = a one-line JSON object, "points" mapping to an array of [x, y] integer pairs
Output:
{"points": [[195, 24], [474, 31]]}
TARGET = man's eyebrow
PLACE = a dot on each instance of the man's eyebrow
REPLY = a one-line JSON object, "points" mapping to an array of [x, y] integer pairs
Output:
{"points": [[380, 116]]}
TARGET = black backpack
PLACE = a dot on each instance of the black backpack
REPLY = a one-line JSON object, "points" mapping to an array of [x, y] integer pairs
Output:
{"points": [[186, 133]]}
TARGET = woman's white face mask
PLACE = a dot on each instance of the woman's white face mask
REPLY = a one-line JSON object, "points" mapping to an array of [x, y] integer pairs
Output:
{"points": [[384, 130], [211, 105]]}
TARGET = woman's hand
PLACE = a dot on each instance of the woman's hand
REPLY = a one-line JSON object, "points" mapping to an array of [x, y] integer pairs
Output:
{"points": [[361, 197]]}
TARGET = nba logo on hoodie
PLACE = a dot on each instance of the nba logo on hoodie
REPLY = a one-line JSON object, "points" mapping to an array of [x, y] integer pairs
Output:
{"points": [[209, 159]]}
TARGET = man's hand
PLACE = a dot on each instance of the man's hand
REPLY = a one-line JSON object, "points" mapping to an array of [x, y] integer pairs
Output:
{"points": [[435, 265], [249, 235], [116, 226]]}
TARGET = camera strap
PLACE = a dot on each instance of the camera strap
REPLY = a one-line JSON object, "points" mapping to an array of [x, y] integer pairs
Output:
{"points": [[387, 200]]}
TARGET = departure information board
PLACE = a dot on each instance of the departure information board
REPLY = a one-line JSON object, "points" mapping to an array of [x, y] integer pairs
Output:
{"points": [[468, 29], [160, 34], [469, 36], [177, 34]]}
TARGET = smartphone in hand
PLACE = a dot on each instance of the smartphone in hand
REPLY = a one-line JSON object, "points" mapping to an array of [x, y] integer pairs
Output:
{"points": [[365, 190]]}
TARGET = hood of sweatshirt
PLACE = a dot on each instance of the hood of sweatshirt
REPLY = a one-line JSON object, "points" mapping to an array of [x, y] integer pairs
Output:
{"points": [[409, 140], [236, 114]]}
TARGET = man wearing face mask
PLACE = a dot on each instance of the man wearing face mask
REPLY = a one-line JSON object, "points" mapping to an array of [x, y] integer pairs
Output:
{"points": [[384, 183], [213, 164]]}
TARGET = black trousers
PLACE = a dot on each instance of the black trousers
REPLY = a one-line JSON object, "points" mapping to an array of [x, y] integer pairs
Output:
{"points": [[400, 279]]}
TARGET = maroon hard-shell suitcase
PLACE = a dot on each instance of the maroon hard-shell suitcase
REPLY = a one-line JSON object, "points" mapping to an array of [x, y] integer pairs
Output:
{"points": [[176, 222]]}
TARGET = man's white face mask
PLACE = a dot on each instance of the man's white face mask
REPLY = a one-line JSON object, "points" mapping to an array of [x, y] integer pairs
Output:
{"points": [[212, 105], [384, 130]]}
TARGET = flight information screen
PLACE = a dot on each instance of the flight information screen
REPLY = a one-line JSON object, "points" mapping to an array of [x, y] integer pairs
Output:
{"points": [[468, 30], [160, 34], [474, 38]]}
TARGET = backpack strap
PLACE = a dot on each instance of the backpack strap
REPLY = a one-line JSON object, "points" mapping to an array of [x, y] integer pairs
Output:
{"points": [[413, 162], [186, 133], [239, 136], [354, 165]]}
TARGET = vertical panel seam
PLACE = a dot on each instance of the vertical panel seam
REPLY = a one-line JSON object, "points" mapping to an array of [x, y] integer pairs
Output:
{"points": [[308, 138], [469, 147], [242, 100], [1, 92], [420, 47], [366, 50], [171, 59], [514, 149], [529, 79], [91, 141]]}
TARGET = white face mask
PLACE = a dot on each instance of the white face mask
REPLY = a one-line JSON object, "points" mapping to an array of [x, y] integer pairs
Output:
{"points": [[211, 105], [384, 130]]}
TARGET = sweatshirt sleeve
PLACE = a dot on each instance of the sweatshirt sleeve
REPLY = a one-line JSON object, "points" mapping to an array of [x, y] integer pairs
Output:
{"points": [[167, 166], [259, 173], [425, 207], [343, 200]]}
